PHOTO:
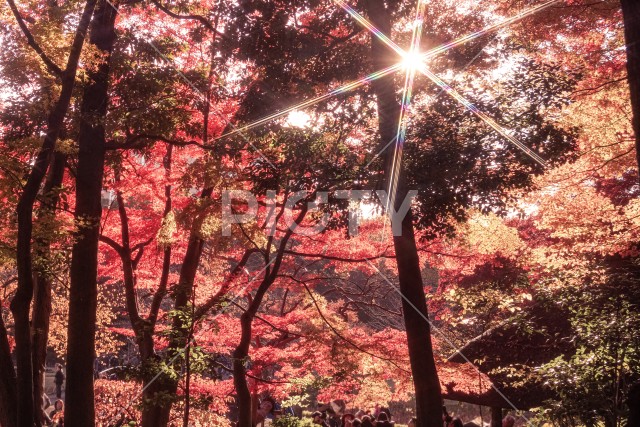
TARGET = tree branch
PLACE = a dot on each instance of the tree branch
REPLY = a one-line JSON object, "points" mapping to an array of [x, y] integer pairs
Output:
{"points": [[337, 258], [51, 66], [204, 21], [141, 140], [218, 297], [342, 337], [115, 245]]}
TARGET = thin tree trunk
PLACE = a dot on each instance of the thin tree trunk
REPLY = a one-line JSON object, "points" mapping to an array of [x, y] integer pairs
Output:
{"points": [[241, 352], [243, 399], [187, 380], [42, 292], [631, 16], [8, 403], [414, 303], [20, 305], [154, 415], [84, 263], [41, 318]]}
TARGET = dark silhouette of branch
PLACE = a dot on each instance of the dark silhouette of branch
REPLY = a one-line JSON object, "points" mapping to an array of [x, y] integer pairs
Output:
{"points": [[342, 337], [337, 258], [220, 296], [51, 66], [141, 140], [204, 21]]}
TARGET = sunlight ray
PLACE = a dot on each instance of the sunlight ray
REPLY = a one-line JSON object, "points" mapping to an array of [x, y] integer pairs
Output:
{"points": [[404, 105], [484, 117], [424, 70], [391, 69], [308, 103], [491, 28]]}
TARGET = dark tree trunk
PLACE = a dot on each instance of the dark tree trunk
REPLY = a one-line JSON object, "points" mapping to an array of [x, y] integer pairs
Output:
{"points": [[414, 309], [496, 416], [633, 401], [41, 317], [631, 15], [21, 303], [241, 352], [414, 303], [8, 401], [156, 406], [156, 415], [84, 263], [42, 291]]}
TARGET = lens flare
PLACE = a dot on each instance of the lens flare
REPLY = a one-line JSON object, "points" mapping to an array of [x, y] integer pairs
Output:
{"points": [[308, 103], [455, 95], [413, 62], [386, 71], [484, 117]]}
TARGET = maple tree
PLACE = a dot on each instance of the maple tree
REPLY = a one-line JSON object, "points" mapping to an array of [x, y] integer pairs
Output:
{"points": [[20, 304]]}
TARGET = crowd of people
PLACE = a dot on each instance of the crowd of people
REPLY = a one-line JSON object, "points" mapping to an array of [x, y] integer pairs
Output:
{"points": [[328, 416], [381, 417]]}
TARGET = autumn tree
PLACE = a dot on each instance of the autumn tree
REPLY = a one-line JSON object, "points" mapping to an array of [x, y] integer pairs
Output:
{"points": [[25, 413]]}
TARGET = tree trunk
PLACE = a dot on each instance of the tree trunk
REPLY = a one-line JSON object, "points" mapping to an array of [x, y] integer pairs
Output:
{"points": [[8, 402], [240, 355], [20, 305], [84, 263], [41, 318], [631, 15], [414, 309], [156, 415], [42, 291], [156, 412], [496, 416], [414, 303], [633, 402], [157, 395], [157, 407], [241, 352]]}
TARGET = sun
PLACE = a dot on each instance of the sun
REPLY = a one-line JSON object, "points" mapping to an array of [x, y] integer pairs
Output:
{"points": [[298, 119], [412, 60]]}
